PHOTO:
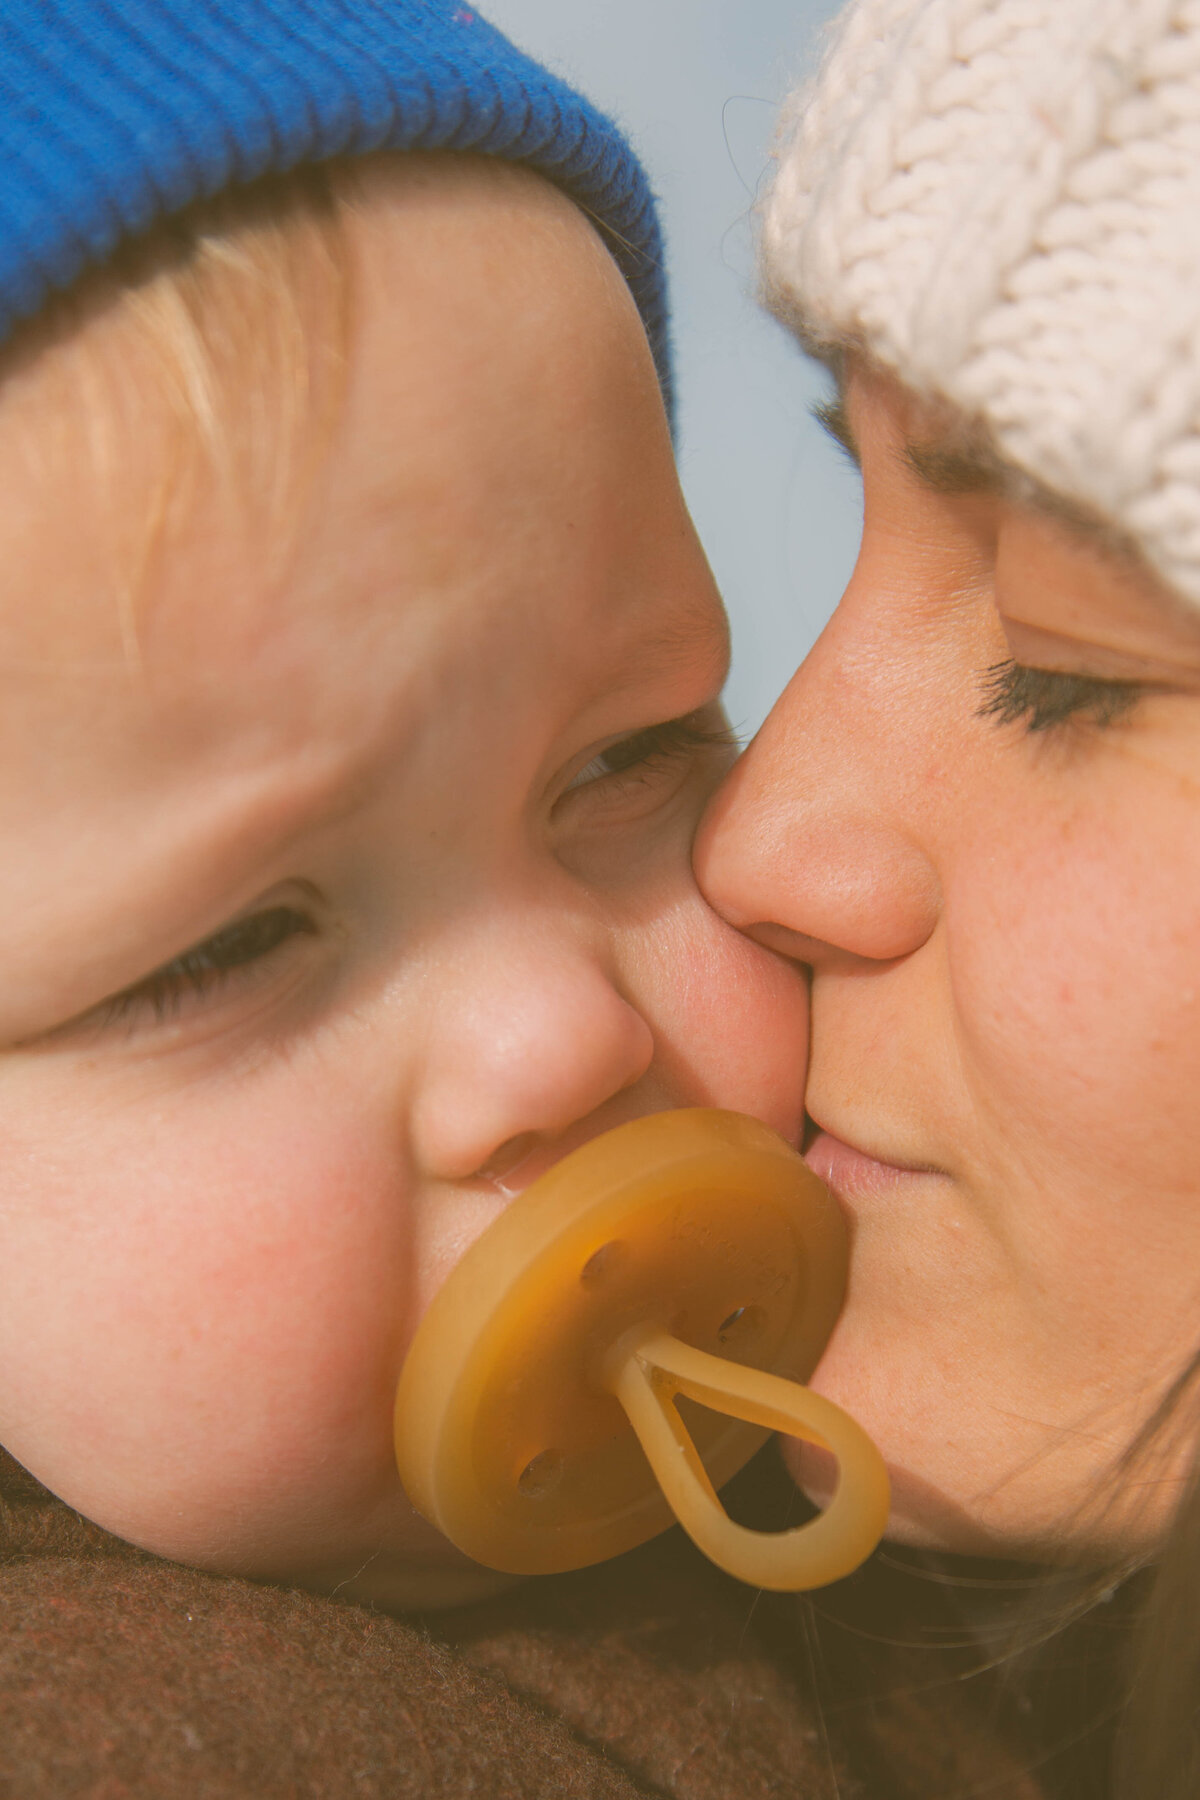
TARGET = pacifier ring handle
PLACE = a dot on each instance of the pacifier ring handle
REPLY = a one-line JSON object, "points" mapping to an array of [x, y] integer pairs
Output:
{"points": [[646, 1372]]}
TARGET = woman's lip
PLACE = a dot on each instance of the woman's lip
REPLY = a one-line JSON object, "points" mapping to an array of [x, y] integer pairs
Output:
{"points": [[850, 1172]]}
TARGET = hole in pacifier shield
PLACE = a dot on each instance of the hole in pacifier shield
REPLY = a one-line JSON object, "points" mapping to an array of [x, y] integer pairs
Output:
{"points": [[741, 1328], [541, 1474], [604, 1264], [549, 1437]]}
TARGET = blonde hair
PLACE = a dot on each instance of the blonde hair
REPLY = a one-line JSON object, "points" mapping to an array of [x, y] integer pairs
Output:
{"points": [[230, 323]]}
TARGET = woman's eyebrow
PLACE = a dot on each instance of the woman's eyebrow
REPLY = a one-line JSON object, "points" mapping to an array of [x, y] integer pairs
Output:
{"points": [[951, 468], [959, 469], [832, 417], [947, 469], [978, 469]]}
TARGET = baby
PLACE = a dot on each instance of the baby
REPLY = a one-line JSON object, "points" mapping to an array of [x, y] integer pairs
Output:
{"points": [[360, 676]]}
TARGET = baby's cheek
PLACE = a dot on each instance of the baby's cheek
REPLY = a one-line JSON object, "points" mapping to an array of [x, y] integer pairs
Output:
{"points": [[204, 1316]]}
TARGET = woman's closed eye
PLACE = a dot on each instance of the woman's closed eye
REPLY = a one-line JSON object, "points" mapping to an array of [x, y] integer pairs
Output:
{"points": [[235, 953], [1046, 698]]}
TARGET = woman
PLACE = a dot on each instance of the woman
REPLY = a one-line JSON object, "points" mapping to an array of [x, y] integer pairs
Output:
{"points": [[975, 812]]}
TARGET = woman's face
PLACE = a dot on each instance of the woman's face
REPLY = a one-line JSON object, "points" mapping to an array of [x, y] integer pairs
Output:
{"points": [[995, 877]]}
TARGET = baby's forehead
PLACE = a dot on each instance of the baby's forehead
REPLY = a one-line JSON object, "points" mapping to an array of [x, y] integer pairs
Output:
{"points": [[204, 375], [379, 409]]}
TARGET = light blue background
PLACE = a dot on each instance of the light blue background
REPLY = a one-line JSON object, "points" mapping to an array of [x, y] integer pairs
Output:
{"points": [[697, 84]]}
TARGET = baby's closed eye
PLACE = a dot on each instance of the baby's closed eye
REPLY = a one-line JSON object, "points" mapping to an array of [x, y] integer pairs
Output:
{"points": [[672, 742], [235, 953]]}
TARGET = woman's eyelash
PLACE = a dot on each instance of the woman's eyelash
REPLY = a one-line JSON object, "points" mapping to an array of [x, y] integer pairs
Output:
{"points": [[672, 739], [207, 966], [1044, 698]]}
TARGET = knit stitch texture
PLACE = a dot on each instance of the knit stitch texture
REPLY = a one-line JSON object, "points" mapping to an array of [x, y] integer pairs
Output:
{"points": [[115, 114], [1000, 199]]}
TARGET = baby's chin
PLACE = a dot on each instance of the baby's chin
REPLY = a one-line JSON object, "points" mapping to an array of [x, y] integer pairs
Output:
{"points": [[396, 1584], [376, 1552], [418, 1570], [400, 1576]]}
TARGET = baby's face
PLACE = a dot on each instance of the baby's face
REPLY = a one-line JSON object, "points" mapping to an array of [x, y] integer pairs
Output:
{"points": [[345, 883]]}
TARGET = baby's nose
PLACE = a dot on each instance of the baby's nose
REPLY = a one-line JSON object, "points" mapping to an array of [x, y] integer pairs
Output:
{"points": [[515, 1062], [507, 1160]]}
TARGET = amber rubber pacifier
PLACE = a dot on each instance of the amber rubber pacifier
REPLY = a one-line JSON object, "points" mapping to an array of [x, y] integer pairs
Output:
{"points": [[620, 1341]]}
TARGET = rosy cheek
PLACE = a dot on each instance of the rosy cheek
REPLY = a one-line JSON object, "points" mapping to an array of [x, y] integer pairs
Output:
{"points": [[735, 1017], [206, 1307], [1077, 970]]}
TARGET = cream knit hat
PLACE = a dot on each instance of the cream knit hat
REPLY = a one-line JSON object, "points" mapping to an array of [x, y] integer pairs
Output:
{"points": [[1000, 199]]}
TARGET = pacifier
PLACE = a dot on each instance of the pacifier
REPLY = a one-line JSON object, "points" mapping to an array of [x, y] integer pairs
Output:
{"points": [[620, 1341]]}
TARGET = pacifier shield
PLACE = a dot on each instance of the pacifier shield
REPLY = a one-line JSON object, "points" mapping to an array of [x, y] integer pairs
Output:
{"points": [[699, 1224]]}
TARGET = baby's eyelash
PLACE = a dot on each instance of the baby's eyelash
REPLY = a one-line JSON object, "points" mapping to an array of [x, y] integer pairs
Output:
{"points": [[206, 966], [674, 737], [1044, 698], [666, 742]]}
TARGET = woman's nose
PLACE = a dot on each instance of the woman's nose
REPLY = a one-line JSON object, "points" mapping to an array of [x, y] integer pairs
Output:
{"points": [[531, 1040], [814, 844]]}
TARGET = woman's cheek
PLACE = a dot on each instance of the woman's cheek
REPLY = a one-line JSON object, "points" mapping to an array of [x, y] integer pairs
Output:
{"points": [[1076, 968]]}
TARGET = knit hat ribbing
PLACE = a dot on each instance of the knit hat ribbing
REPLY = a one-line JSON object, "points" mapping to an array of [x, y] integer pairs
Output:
{"points": [[1001, 200], [115, 114]]}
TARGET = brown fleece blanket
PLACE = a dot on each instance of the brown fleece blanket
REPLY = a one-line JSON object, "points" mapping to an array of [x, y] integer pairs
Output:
{"points": [[125, 1676]]}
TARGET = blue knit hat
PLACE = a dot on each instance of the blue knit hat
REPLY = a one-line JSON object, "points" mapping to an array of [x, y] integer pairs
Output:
{"points": [[115, 114]]}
